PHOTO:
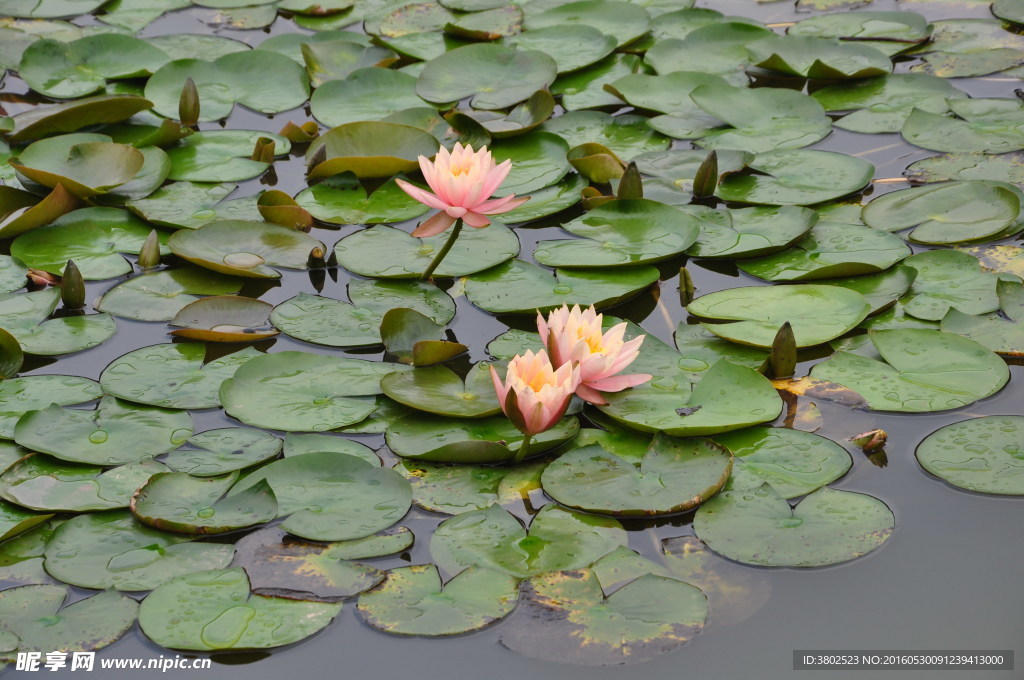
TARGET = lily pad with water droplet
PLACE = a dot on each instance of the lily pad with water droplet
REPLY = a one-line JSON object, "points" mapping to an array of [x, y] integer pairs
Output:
{"points": [[761, 119], [459, 440], [34, 613], [985, 125], [671, 476], [215, 609], [951, 279], [758, 526], [180, 503], [220, 156], [51, 485], [224, 318], [390, 253], [923, 371], [113, 550], [882, 104], [24, 316], [299, 391], [190, 205], [623, 232], [342, 199], [793, 462], [15, 521], [565, 616], [159, 296], [881, 290], [454, 489], [751, 232], [29, 393], [413, 601], [248, 249], [330, 496], [217, 452], [494, 538], [1002, 333], [172, 375], [369, 149], [982, 454], [116, 433], [438, 389], [797, 177]]}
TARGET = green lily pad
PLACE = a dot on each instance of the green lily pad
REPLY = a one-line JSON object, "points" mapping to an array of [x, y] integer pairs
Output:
{"points": [[1005, 167], [762, 119], [626, 135], [831, 250], [759, 527], [951, 279], [329, 496], [623, 232], [494, 538], [814, 57], [112, 550], [438, 389], [454, 489], [66, 70], [12, 357], [298, 444], [220, 156], [217, 452], [797, 177], [518, 287], [572, 46], [29, 393], [248, 249], [538, 159], [215, 609], [479, 440], [370, 149], [719, 48], [365, 94], [50, 485], [114, 434], [279, 565], [1000, 332], [413, 338], [564, 616], [669, 94], [492, 75], [413, 601], [672, 476], [883, 104], [584, 89], [172, 375], [203, 203], [95, 238], [881, 290], [947, 213], [752, 232], [15, 521], [331, 322], [549, 200], [34, 613], [86, 164], [969, 47], [391, 253], [986, 125], [342, 199], [754, 314], [624, 21], [337, 59], [159, 296], [298, 391], [178, 502], [236, 77], [923, 371], [795, 463], [876, 28], [25, 317], [490, 24], [224, 318], [982, 454]]}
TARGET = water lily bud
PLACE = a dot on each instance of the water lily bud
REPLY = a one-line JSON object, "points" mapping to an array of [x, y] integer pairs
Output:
{"points": [[316, 258], [870, 441], [149, 253], [188, 103], [706, 179], [686, 287], [72, 287], [782, 358], [631, 185], [264, 150]]}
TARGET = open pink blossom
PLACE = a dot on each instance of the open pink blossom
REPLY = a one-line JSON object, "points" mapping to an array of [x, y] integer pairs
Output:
{"points": [[463, 182], [575, 336], [535, 395]]}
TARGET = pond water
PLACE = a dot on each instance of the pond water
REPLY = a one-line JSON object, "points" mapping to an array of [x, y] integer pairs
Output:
{"points": [[948, 578]]}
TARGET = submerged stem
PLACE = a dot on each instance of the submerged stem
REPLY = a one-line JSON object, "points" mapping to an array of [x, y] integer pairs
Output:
{"points": [[521, 453], [444, 250]]}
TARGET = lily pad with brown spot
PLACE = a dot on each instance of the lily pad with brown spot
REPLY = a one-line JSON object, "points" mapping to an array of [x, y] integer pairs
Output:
{"points": [[454, 489], [225, 318]]}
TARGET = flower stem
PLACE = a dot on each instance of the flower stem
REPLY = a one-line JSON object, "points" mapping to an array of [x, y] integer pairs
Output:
{"points": [[444, 250], [521, 453]]}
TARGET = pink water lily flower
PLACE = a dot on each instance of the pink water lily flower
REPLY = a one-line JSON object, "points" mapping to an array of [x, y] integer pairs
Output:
{"points": [[463, 182], [575, 336], [535, 394]]}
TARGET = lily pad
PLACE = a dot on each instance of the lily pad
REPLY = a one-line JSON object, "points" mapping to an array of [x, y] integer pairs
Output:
{"points": [[669, 94], [494, 538], [986, 125], [342, 199], [178, 502], [923, 371], [86, 164], [413, 338], [454, 489], [21, 211], [459, 440], [584, 89], [672, 476], [159, 296], [719, 48], [220, 156], [215, 609], [1000, 332], [42, 121], [66, 70], [494, 76], [626, 135], [814, 57], [15, 521], [114, 434], [369, 149], [753, 315], [752, 232], [759, 527], [572, 46], [413, 601], [438, 389], [761, 119], [538, 159], [963, 166], [224, 318], [248, 249], [390, 253], [518, 287], [299, 444], [217, 452], [25, 318], [625, 21], [969, 47], [329, 496], [302, 392], [882, 104], [881, 290], [112, 550], [565, 616], [797, 177], [982, 454], [951, 279], [190, 205], [29, 393], [365, 94], [549, 200]]}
